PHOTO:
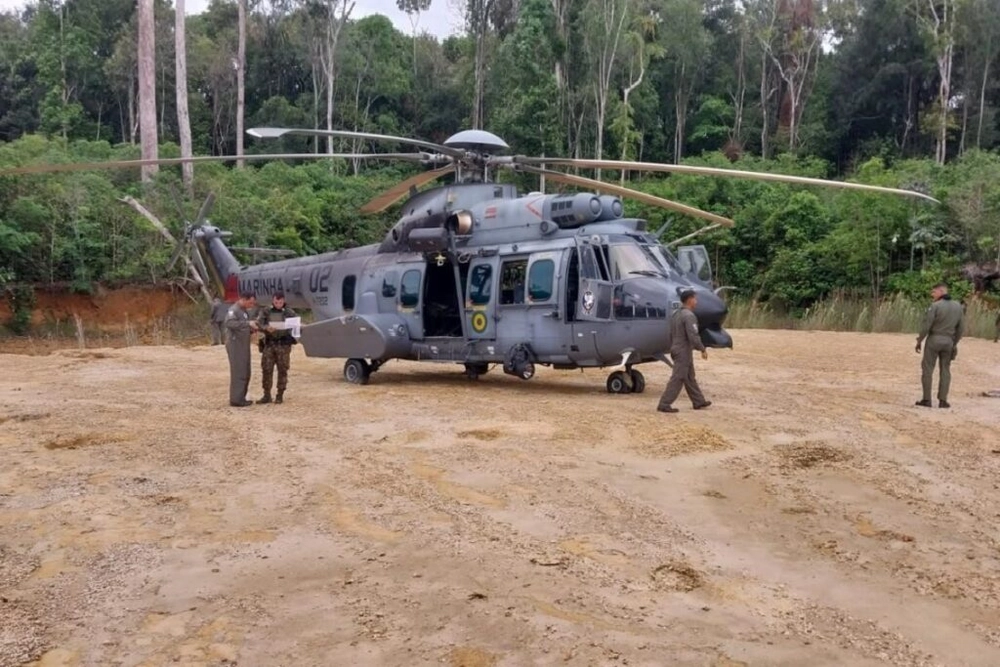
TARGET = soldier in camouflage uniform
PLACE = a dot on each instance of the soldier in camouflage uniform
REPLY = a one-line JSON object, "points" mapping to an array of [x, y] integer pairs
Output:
{"points": [[275, 346]]}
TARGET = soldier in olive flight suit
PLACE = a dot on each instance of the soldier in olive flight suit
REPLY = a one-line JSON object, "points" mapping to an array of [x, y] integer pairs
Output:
{"points": [[218, 319], [239, 327], [684, 339], [942, 327], [275, 346]]}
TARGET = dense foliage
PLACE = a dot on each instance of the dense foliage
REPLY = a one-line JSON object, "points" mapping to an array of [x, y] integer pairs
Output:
{"points": [[830, 88]]}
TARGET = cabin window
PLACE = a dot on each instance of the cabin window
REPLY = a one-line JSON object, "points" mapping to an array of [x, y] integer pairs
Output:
{"points": [[540, 280], [347, 292], [409, 289], [480, 284], [512, 281], [389, 285]]}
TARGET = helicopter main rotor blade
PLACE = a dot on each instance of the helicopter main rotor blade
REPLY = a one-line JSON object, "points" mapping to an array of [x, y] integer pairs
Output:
{"points": [[601, 186], [125, 164], [387, 198], [178, 249], [713, 171], [275, 132], [205, 208]]}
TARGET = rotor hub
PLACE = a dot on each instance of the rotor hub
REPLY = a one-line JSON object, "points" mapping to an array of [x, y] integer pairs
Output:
{"points": [[479, 141]]}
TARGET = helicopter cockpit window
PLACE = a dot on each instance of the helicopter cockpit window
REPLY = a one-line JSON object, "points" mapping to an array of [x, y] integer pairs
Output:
{"points": [[588, 263], [512, 281], [409, 289], [480, 283], [665, 258], [540, 280], [629, 260], [347, 292]]}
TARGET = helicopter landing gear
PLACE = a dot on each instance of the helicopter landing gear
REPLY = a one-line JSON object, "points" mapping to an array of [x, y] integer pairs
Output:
{"points": [[474, 370], [629, 381], [357, 371], [518, 362], [638, 381]]}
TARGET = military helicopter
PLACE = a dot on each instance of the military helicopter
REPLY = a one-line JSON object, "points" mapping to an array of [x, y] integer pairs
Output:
{"points": [[476, 273]]}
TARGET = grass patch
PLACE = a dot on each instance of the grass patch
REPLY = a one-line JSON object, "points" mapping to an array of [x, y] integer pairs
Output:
{"points": [[895, 314]]}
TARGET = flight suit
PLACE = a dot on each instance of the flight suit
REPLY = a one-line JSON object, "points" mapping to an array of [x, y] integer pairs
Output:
{"points": [[942, 327], [218, 320], [276, 349], [238, 348], [684, 340]]}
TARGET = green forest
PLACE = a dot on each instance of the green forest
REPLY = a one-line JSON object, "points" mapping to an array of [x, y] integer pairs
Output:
{"points": [[899, 93]]}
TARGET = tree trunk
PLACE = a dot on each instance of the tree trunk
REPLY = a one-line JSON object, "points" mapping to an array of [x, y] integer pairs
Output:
{"points": [[764, 97], [241, 66], [147, 87], [982, 102], [329, 55], [736, 135], [680, 113], [183, 119]]}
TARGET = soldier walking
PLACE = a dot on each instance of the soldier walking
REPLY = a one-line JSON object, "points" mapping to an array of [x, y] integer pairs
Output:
{"points": [[218, 319], [942, 327], [239, 327], [684, 340], [275, 346]]}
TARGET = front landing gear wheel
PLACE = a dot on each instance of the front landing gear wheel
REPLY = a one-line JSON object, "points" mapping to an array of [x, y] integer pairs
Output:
{"points": [[619, 383], [527, 371], [638, 381], [357, 371]]}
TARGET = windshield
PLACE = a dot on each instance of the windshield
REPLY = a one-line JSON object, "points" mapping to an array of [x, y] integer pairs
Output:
{"points": [[632, 259], [666, 259]]}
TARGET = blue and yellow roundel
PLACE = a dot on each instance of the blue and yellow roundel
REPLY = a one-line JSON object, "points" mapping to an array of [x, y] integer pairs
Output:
{"points": [[479, 321]]}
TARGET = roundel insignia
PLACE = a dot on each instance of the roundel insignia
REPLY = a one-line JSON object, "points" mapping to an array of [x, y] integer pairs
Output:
{"points": [[479, 322]]}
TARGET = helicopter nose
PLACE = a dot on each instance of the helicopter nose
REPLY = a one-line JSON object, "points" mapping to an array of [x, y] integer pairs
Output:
{"points": [[711, 313]]}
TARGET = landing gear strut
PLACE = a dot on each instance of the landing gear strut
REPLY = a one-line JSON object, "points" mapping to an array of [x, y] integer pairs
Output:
{"points": [[628, 381]]}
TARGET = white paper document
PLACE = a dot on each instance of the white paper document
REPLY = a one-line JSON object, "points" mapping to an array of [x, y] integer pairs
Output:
{"points": [[293, 323]]}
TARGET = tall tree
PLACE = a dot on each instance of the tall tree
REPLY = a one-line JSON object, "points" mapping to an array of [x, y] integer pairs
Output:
{"points": [[183, 118], [604, 38], [147, 87], [792, 44], [979, 21], [413, 8], [241, 68], [937, 19], [334, 24], [687, 45]]}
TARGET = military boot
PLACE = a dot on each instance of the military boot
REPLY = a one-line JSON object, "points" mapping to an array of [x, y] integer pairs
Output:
{"points": [[280, 397], [266, 398]]}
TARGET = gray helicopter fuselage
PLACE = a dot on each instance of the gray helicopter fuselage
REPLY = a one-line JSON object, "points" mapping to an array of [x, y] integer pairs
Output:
{"points": [[560, 280]]}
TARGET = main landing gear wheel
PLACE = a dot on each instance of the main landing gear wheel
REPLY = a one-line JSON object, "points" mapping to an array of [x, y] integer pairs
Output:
{"points": [[619, 383], [357, 371], [473, 371], [638, 381]]}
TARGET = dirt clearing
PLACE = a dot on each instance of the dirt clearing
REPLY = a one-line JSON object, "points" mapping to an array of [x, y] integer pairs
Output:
{"points": [[812, 516]]}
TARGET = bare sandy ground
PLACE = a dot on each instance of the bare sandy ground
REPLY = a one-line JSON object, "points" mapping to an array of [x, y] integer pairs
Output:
{"points": [[812, 516]]}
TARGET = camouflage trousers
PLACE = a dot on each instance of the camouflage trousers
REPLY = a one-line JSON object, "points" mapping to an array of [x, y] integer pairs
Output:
{"points": [[275, 355]]}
